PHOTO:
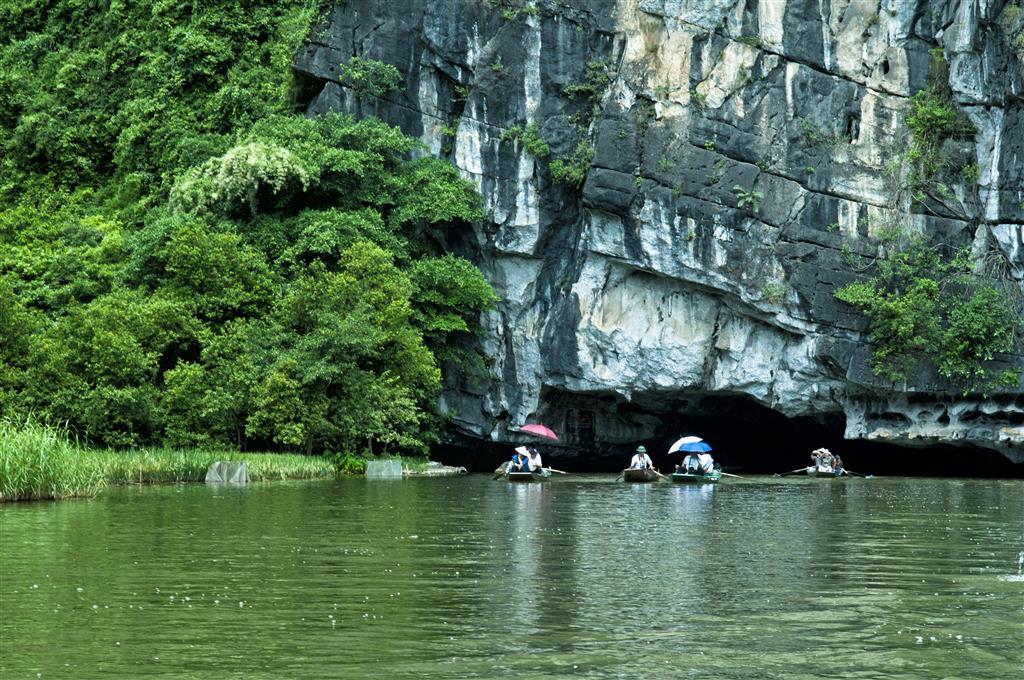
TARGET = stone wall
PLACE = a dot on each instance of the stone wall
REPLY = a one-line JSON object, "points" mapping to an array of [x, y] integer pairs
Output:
{"points": [[659, 276]]}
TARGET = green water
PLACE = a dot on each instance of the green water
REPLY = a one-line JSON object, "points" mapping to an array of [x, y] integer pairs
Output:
{"points": [[473, 578]]}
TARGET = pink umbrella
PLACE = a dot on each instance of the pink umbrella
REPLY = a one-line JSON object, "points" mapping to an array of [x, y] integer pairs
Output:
{"points": [[540, 431]]}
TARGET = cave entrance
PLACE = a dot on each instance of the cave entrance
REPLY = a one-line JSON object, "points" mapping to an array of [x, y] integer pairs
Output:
{"points": [[598, 434], [748, 437]]}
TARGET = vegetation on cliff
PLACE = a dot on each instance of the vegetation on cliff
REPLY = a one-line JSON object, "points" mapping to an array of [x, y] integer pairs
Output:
{"points": [[928, 303], [187, 260]]}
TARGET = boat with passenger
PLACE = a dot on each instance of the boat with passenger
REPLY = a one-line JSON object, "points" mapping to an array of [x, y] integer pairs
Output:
{"points": [[639, 475], [680, 477], [532, 476]]}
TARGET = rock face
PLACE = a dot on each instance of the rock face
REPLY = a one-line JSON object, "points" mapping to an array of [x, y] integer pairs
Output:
{"points": [[735, 156]]}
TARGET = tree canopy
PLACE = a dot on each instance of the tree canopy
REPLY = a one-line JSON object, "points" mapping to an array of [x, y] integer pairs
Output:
{"points": [[187, 260]]}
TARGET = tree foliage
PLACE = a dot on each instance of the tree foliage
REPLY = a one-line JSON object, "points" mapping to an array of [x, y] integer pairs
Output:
{"points": [[185, 260], [923, 308]]}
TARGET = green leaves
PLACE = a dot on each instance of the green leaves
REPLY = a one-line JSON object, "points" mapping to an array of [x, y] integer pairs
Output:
{"points": [[238, 274], [369, 77], [238, 178], [924, 309]]}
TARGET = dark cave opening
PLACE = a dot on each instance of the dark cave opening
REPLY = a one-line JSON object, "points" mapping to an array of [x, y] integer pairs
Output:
{"points": [[747, 438]]}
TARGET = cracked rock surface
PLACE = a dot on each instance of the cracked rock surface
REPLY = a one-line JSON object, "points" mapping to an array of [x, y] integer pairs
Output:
{"points": [[738, 177]]}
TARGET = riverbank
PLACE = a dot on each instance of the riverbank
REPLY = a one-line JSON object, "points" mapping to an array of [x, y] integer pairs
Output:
{"points": [[41, 463]]}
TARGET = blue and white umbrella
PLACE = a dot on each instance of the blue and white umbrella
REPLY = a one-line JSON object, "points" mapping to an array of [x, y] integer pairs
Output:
{"points": [[695, 447], [680, 443]]}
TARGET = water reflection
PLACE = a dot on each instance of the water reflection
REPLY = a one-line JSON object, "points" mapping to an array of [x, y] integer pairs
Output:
{"points": [[475, 578]]}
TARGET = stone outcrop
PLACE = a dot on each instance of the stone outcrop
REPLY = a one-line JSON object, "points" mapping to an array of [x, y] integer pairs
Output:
{"points": [[735, 156]]}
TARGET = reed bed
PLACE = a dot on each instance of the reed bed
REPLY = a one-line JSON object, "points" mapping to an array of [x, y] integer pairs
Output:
{"points": [[39, 462]]}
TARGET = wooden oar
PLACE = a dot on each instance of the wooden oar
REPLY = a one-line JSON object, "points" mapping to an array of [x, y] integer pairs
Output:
{"points": [[726, 474], [859, 474], [800, 469], [658, 473], [561, 472]]}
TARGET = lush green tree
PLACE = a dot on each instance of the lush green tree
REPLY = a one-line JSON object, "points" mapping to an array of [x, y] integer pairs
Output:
{"points": [[138, 89], [187, 260], [98, 366]]}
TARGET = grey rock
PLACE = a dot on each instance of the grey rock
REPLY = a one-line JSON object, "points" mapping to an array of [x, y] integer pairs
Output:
{"points": [[651, 288]]}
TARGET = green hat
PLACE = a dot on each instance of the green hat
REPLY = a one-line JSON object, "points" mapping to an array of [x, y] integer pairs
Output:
{"points": [[641, 449]]}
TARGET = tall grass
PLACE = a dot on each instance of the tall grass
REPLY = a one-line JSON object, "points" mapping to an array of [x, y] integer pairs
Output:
{"points": [[40, 462]]}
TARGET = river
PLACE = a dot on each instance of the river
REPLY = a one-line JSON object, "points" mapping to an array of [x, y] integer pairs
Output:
{"points": [[474, 578]]}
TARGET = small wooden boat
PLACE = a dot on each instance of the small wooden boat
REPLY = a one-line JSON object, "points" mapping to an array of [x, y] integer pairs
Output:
{"points": [[687, 478], [535, 476], [824, 473], [639, 475]]}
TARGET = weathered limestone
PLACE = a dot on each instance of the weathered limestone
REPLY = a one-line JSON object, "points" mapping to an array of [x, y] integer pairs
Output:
{"points": [[651, 279]]}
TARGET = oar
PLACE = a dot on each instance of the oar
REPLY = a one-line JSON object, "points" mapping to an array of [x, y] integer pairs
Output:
{"points": [[799, 469], [859, 474], [726, 474], [561, 472], [621, 475], [658, 473]]}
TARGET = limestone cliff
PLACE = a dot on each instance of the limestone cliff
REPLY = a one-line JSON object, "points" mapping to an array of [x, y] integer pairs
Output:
{"points": [[735, 158]]}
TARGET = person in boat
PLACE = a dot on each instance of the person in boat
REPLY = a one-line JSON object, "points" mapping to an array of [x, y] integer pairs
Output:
{"points": [[697, 464], [534, 460], [823, 459], [707, 463], [837, 465], [641, 461], [690, 464], [520, 460]]}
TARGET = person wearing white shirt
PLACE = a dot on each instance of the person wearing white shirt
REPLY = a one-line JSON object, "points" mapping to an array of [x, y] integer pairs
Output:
{"points": [[823, 460], [706, 462], [698, 463], [535, 462], [641, 461]]}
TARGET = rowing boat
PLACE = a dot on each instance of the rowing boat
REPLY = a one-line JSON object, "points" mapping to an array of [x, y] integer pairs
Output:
{"points": [[824, 473], [535, 476], [687, 478], [639, 475]]}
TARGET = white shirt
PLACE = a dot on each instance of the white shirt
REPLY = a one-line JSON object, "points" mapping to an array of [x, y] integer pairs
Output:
{"points": [[707, 463], [690, 460], [535, 463], [640, 461]]}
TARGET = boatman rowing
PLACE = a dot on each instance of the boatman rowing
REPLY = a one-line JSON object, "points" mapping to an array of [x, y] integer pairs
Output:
{"points": [[641, 461], [823, 460]]}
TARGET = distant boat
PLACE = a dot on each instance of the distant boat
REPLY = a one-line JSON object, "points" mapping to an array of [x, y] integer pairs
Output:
{"points": [[639, 475], [687, 478], [534, 476], [824, 473]]}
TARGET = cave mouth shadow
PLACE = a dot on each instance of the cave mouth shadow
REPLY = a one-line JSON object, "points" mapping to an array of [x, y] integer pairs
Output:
{"points": [[747, 438], [750, 438]]}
